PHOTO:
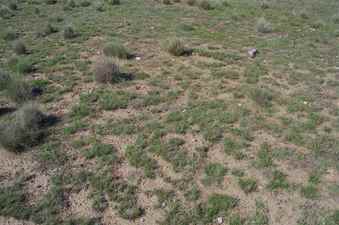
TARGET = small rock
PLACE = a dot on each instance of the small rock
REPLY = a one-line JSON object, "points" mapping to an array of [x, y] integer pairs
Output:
{"points": [[137, 58], [220, 220], [163, 205], [253, 52], [142, 220]]}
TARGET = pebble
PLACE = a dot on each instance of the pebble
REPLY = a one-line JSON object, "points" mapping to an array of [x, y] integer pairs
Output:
{"points": [[220, 220], [253, 52]]}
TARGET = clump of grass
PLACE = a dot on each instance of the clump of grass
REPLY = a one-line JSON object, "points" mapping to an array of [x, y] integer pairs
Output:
{"points": [[278, 181], [166, 2], [106, 71], [263, 26], [214, 173], [69, 32], [5, 12], [262, 96], [104, 152], [254, 72], [19, 48], [309, 191], [233, 148], [177, 48], [13, 202], [115, 49], [137, 157], [218, 204], [115, 100], [261, 214], [24, 129], [264, 156], [248, 185]]}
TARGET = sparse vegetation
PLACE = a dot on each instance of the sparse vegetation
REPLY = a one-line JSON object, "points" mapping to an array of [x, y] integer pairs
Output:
{"points": [[148, 136]]}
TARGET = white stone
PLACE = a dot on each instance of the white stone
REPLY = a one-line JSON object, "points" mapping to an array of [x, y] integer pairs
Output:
{"points": [[220, 220]]}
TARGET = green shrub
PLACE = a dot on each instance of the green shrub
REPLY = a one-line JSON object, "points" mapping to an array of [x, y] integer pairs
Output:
{"points": [[106, 71], [23, 129], [263, 26], [5, 12], [177, 48], [115, 49], [69, 32], [19, 48]]}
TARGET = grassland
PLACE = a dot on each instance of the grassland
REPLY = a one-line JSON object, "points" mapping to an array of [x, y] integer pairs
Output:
{"points": [[152, 112]]}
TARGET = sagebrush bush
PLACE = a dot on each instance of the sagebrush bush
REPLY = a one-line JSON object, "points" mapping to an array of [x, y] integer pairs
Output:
{"points": [[177, 48], [166, 2], [85, 3], [19, 48], [114, 2], [18, 90], [5, 12], [51, 2], [106, 71], [191, 2], [69, 32], [47, 30], [115, 49], [10, 35], [69, 4], [24, 65], [23, 129], [263, 26], [13, 5], [205, 4], [4, 80]]}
